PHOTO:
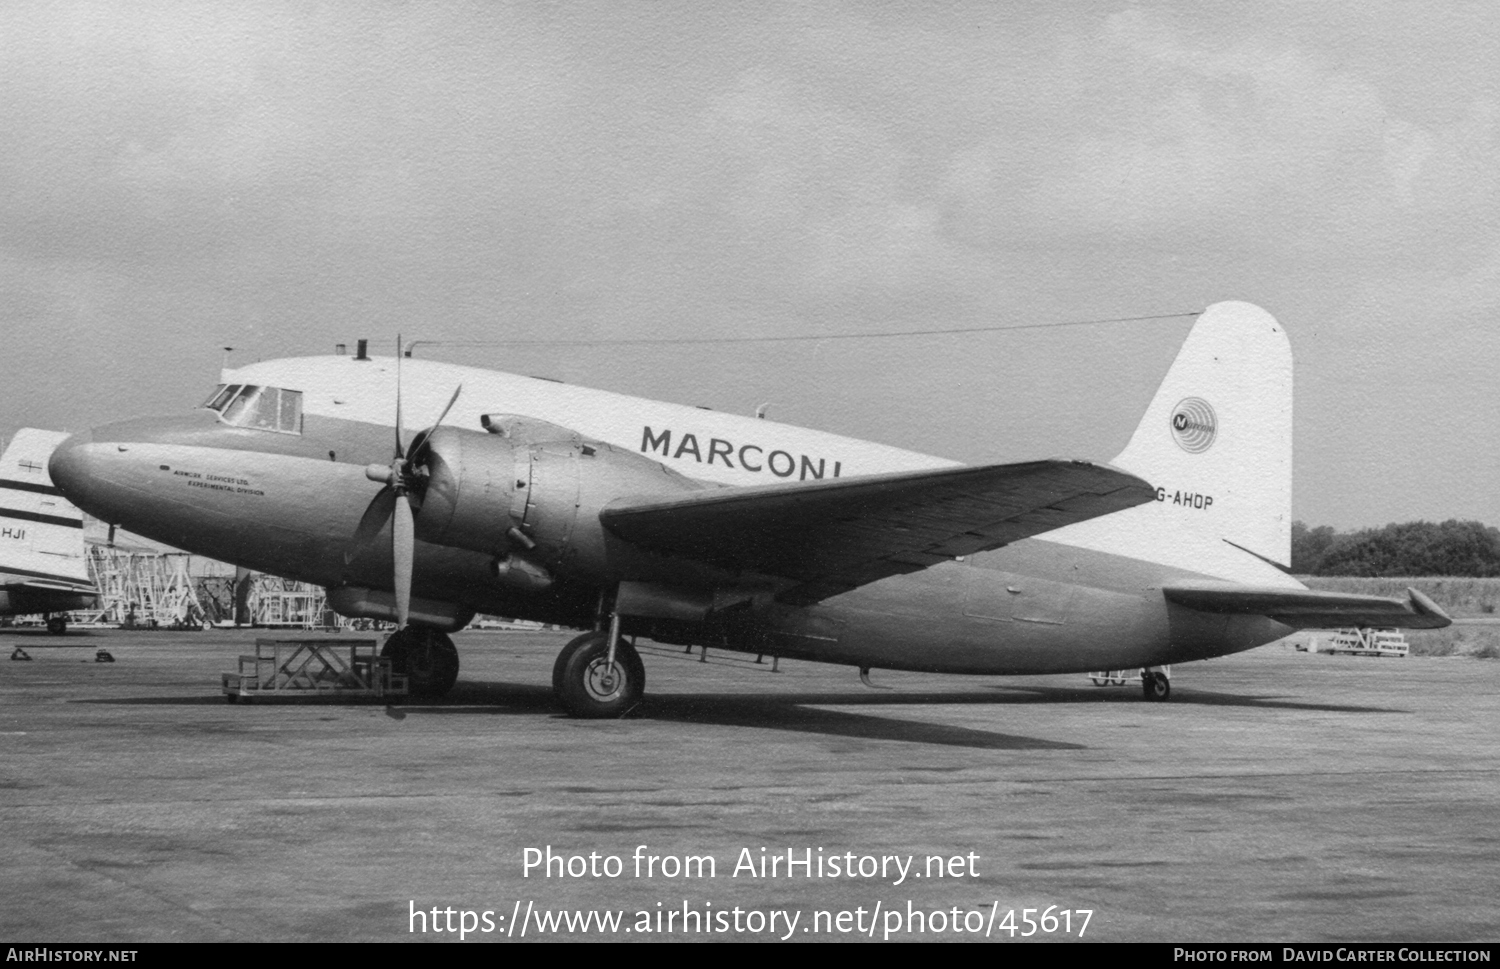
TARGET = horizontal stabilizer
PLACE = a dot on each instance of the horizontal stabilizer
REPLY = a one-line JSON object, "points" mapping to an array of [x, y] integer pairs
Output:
{"points": [[1309, 609], [830, 536]]}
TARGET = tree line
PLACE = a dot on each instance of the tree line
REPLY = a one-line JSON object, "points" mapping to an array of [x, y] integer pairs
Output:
{"points": [[1412, 548]]}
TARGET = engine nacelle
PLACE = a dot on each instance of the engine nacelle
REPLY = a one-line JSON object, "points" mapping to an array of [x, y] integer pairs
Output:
{"points": [[530, 493], [362, 603]]}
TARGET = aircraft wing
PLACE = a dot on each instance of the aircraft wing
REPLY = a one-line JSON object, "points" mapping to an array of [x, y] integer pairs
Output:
{"points": [[831, 536], [1309, 609]]}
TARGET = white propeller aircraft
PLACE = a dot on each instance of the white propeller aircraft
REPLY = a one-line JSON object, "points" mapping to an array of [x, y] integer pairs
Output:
{"points": [[635, 518], [43, 568]]}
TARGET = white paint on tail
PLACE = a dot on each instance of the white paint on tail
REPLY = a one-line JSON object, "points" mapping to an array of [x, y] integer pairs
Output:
{"points": [[1216, 441], [39, 542]]}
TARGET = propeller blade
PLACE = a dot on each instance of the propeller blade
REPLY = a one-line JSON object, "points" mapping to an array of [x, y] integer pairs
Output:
{"points": [[421, 439], [451, 401], [400, 453], [377, 513], [403, 548]]}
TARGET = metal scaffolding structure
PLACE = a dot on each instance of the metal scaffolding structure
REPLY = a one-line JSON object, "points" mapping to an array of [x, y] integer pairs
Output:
{"points": [[169, 589], [143, 588], [275, 601]]}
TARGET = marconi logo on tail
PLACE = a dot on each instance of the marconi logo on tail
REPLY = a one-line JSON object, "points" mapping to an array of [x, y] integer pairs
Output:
{"points": [[1194, 425]]}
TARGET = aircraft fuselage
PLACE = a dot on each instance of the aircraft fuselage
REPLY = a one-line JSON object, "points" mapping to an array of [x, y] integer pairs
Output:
{"points": [[288, 504]]}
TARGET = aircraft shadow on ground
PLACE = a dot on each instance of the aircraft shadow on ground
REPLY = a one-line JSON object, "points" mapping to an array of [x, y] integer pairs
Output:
{"points": [[474, 697], [796, 712]]}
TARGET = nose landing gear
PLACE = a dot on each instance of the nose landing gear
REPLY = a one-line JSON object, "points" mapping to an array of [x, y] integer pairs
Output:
{"points": [[1155, 685]]}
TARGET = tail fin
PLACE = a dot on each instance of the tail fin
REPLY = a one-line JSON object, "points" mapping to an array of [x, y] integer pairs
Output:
{"points": [[1216, 442], [41, 532]]}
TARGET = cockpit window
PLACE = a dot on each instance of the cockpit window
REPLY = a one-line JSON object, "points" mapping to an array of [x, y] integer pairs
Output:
{"points": [[234, 411], [289, 415], [222, 395], [263, 408]]}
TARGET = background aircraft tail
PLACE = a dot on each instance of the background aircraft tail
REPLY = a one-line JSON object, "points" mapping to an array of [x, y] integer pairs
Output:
{"points": [[1216, 441], [41, 532]]}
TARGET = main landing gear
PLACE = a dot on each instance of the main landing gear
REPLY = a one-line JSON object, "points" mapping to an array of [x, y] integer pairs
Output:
{"points": [[426, 656], [589, 685], [1155, 685]]}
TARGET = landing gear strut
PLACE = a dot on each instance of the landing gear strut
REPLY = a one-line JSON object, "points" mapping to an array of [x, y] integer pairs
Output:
{"points": [[589, 685], [1155, 685], [426, 656]]}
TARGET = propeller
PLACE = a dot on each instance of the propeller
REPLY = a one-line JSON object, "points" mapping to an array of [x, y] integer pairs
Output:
{"points": [[396, 502]]}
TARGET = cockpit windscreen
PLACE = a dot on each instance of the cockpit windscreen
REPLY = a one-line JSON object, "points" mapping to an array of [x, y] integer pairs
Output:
{"points": [[261, 408]]}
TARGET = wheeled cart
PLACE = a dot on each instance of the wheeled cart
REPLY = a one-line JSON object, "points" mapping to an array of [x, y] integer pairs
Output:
{"points": [[331, 669]]}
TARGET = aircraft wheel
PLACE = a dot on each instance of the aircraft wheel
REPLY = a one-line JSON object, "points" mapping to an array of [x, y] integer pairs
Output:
{"points": [[588, 687], [57, 625], [1156, 686], [427, 657]]}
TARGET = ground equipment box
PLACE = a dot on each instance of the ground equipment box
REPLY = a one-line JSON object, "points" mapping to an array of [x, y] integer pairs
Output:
{"points": [[313, 668], [1361, 642]]}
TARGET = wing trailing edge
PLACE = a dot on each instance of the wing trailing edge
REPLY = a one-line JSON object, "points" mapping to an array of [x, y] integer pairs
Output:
{"points": [[1310, 609], [827, 537]]}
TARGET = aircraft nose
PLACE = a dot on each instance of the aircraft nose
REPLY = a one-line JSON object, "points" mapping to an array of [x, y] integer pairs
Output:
{"points": [[94, 467], [105, 471], [74, 470], [65, 465]]}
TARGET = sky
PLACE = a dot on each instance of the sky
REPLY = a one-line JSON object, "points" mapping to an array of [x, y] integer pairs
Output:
{"points": [[279, 178]]}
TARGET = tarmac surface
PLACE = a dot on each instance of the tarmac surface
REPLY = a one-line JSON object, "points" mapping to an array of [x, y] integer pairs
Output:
{"points": [[1277, 797]]}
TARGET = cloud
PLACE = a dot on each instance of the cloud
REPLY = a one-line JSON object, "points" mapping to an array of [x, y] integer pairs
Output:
{"points": [[167, 132], [825, 188], [1190, 133]]}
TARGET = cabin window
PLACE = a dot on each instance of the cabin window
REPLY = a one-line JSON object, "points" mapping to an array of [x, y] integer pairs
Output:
{"points": [[261, 408]]}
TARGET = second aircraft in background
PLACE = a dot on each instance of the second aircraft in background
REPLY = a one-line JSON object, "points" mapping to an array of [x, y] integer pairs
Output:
{"points": [[43, 566]]}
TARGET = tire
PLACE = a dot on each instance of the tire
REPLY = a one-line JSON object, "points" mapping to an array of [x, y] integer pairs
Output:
{"points": [[560, 665], [57, 625], [426, 657], [1156, 686], [583, 684]]}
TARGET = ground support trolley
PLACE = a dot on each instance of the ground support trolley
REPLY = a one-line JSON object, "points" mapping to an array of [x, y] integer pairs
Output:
{"points": [[330, 669], [1121, 677], [1362, 642]]}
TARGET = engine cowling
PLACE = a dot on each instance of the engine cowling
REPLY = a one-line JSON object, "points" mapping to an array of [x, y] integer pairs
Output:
{"points": [[530, 493]]}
